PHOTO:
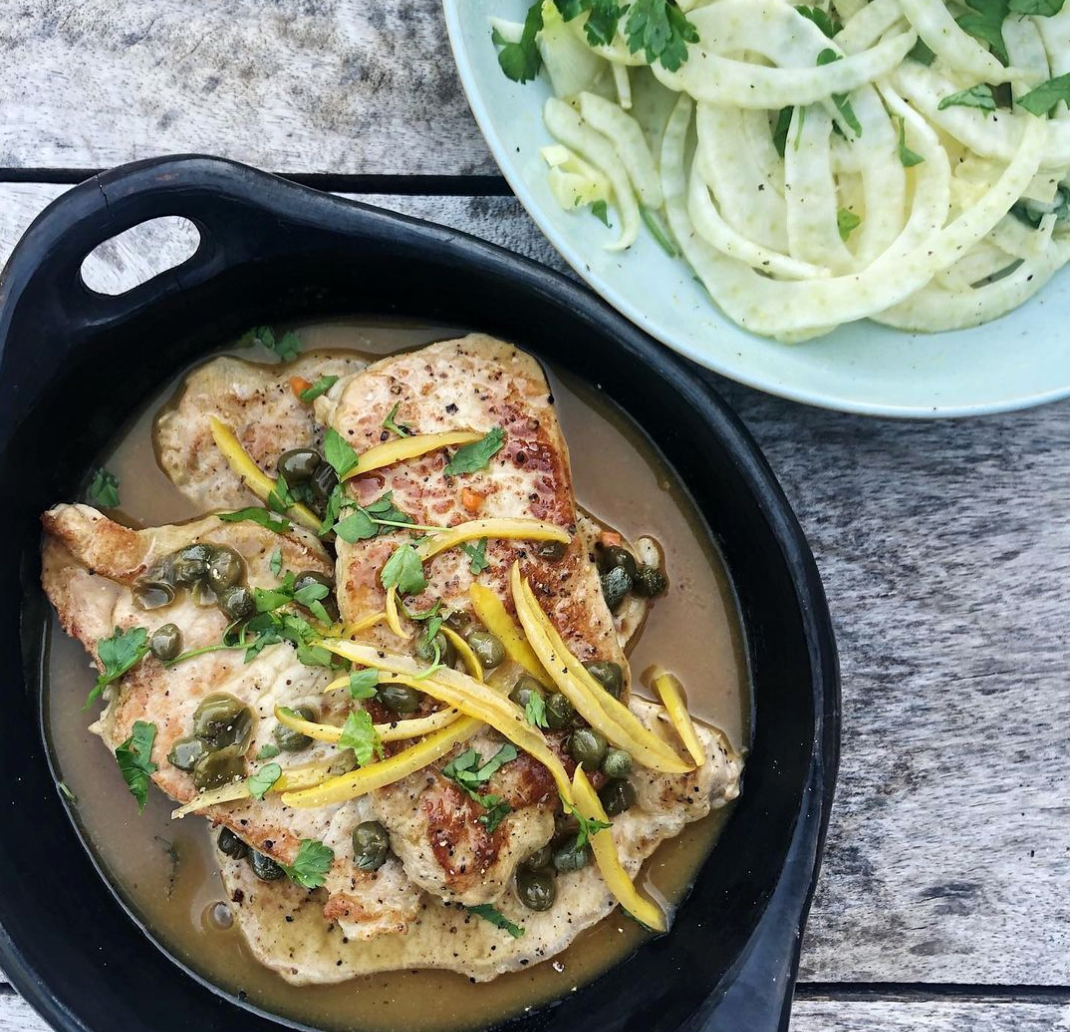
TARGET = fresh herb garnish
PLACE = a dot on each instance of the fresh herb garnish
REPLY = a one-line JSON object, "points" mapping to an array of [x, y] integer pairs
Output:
{"points": [[1043, 8], [404, 570], [275, 563], [921, 53], [477, 553], [268, 752], [359, 734], [262, 781], [312, 862], [600, 211], [907, 157], [104, 490], [338, 452], [287, 347], [657, 231], [843, 105], [521, 61], [469, 772], [281, 498], [985, 22], [847, 222], [1040, 100], [255, 514], [780, 130], [120, 652], [535, 710], [496, 918], [979, 96], [310, 596], [322, 385], [398, 428], [825, 22], [603, 17], [135, 765], [661, 30], [475, 456], [362, 683], [589, 826]]}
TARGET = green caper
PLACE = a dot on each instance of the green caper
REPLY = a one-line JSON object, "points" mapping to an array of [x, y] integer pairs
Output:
{"points": [[185, 752], [313, 577], [371, 844], [608, 674], [616, 797], [613, 556], [552, 550], [162, 571], [289, 740], [399, 698], [166, 642], [565, 826], [323, 482], [425, 649], [225, 569], [221, 767], [236, 602], [264, 867], [149, 595], [559, 711], [615, 585], [299, 465], [587, 747], [525, 687], [535, 889], [203, 595], [221, 720], [617, 763], [231, 845], [570, 858], [488, 649], [542, 857], [649, 581], [190, 564]]}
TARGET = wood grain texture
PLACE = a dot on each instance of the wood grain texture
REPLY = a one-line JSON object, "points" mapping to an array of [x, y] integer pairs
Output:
{"points": [[298, 85], [945, 548]]}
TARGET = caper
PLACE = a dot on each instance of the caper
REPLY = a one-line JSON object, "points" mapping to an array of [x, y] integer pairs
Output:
{"points": [[203, 595], [587, 747], [231, 845], [162, 571], [371, 844], [264, 867], [613, 556], [323, 482], [225, 569], [425, 649], [460, 621], [569, 857], [535, 889], [149, 595], [236, 602], [608, 674], [559, 711], [191, 564], [221, 720], [617, 796], [185, 752], [615, 585], [310, 577], [565, 826], [649, 581], [525, 687], [488, 649], [552, 550], [298, 465], [617, 763], [222, 767], [166, 642], [399, 698], [289, 740], [542, 857]]}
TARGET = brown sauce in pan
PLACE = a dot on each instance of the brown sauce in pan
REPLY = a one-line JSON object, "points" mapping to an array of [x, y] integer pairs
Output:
{"points": [[165, 869]]}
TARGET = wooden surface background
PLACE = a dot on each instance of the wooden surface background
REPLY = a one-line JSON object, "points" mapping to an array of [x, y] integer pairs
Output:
{"points": [[944, 903]]}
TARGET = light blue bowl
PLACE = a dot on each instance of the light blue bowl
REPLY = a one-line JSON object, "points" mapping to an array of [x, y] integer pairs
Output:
{"points": [[1016, 362]]}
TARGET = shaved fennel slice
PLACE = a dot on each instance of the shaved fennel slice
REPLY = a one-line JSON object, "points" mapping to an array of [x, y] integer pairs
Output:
{"points": [[758, 139], [510, 31], [1055, 32], [864, 29], [848, 9], [1012, 235], [937, 27], [572, 181], [570, 129], [622, 83], [572, 66], [716, 232], [1026, 50], [978, 264], [627, 138]]}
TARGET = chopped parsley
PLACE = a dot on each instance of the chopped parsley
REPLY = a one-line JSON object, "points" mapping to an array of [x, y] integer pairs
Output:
{"points": [[1040, 100], [118, 654], [339, 453], [255, 514], [362, 683], [268, 752], [275, 562], [476, 456], [398, 428], [1043, 8], [469, 772], [281, 498], [985, 22], [908, 157], [312, 862], [600, 211], [661, 30], [825, 22], [359, 734], [603, 17], [262, 781], [657, 231], [104, 489], [847, 222], [135, 764], [366, 521], [521, 61], [322, 385], [979, 96], [843, 105], [496, 918], [287, 347], [404, 570], [477, 553], [535, 710], [921, 53], [589, 826], [780, 130]]}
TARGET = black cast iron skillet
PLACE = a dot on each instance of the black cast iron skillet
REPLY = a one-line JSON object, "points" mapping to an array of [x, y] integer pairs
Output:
{"points": [[74, 365]]}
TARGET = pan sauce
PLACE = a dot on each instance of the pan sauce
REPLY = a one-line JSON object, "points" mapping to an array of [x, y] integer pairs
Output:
{"points": [[166, 869]]}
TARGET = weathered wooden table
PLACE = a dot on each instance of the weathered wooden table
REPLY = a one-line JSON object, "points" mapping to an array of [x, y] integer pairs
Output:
{"points": [[944, 903]]}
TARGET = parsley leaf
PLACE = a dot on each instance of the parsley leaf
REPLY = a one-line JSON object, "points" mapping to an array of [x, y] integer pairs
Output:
{"points": [[979, 96], [603, 17], [135, 765], [921, 53], [496, 918], [280, 499], [477, 553], [404, 570], [338, 452], [908, 157], [254, 514], [276, 562], [261, 782], [847, 222], [120, 652], [359, 734], [357, 526], [521, 61], [1040, 100], [843, 105], [825, 22], [398, 428], [661, 30], [657, 231], [312, 862], [268, 752], [985, 22], [104, 490], [477, 455], [469, 772], [535, 710], [589, 826], [322, 385], [601, 212], [1044, 8], [780, 130], [309, 596], [287, 347], [362, 683]]}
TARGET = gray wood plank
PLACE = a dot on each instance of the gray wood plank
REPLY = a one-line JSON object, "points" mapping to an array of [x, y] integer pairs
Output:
{"points": [[945, 549], [294, 85]]}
